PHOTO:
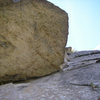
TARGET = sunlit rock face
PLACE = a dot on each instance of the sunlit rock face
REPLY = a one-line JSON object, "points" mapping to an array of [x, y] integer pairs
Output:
{"points": [[33, 34]]}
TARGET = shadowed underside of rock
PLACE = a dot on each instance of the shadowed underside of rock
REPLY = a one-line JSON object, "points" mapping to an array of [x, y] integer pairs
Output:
{"points": [[32, 38]]}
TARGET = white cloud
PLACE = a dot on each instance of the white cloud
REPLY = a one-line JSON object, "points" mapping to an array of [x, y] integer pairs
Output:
{"points": [[98, 47]]}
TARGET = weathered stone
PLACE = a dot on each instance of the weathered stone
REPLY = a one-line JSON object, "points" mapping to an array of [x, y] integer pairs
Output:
{"points": [[33, 34], [8, 92], [82, 59], [82, 83]]}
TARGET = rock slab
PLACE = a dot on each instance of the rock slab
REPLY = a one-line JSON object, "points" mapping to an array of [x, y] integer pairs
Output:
{"points": [[33, 34]]}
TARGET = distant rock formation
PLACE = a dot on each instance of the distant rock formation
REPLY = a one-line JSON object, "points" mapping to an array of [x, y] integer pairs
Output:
{"points": [[79, 81], [33, 34]]}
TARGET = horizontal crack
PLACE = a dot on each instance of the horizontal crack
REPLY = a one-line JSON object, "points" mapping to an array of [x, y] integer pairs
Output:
{"points": [[92, 85], [69, 68], [73, 66], [91, 53]]}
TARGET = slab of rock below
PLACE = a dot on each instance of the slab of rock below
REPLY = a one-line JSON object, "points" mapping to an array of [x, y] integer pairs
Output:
{"points": [[82, 83], [33, 34], [82, 59], [8, 92]]}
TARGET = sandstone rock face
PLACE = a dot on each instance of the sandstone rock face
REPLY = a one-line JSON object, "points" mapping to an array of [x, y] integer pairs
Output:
{"points": [[33, 34], [80, 82]]}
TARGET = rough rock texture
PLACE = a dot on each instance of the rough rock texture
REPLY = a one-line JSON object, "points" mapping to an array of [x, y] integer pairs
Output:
{"points": [[80, 82], [32, 38]]}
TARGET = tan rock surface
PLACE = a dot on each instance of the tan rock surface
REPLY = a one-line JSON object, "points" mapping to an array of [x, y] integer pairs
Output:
{"points": [[32, 38]]}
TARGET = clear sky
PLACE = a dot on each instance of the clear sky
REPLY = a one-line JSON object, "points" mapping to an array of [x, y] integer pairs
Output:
{"points": [[84, 23]]}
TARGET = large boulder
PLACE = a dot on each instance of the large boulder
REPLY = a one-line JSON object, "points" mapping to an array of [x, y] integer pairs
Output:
{"points": [[33, 34]]}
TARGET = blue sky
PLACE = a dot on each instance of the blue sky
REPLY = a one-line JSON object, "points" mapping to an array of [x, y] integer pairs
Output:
{"points": [[84, 23]]}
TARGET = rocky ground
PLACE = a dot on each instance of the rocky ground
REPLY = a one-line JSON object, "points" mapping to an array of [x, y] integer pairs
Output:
{"points": [[78, 81]]}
